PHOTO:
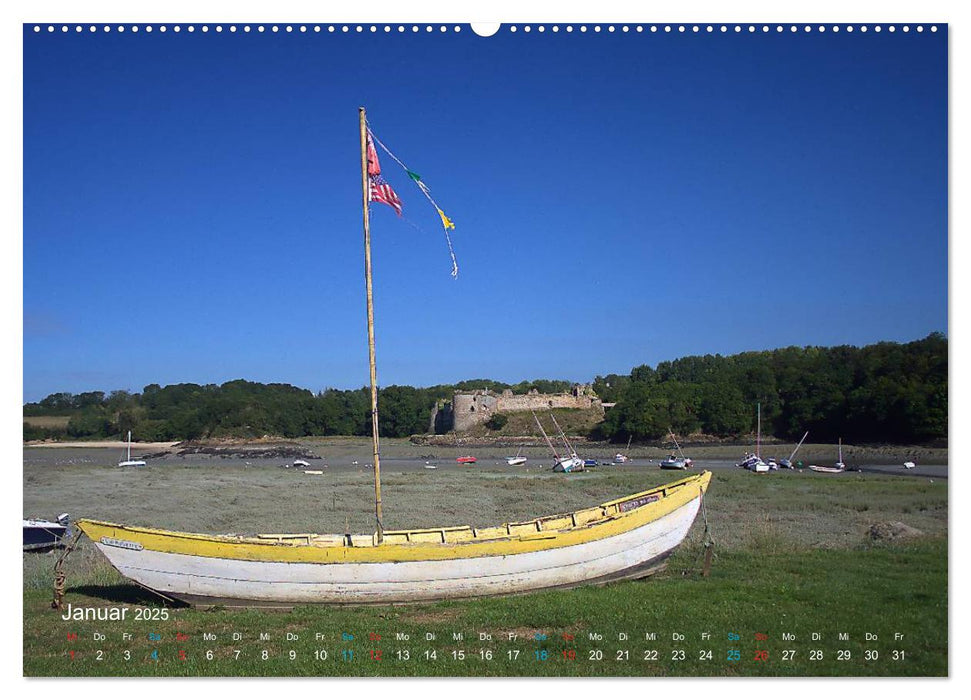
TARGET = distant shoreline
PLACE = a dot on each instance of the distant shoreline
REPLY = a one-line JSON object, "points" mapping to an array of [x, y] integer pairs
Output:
{"points": [[485, 447], [120, 444]]}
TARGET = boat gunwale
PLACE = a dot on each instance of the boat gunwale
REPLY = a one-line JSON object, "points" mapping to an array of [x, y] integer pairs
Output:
{"points": [[611, 511]]}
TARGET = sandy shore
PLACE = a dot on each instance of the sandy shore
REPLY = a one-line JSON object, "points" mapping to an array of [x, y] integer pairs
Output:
{"points": [[110, 444]]}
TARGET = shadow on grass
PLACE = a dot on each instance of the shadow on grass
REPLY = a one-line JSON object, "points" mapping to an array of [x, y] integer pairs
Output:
{"points": [[125, 593]]}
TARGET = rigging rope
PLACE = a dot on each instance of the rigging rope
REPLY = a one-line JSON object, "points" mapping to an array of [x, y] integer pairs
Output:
{"points": [[59, 576], [424, 190]]}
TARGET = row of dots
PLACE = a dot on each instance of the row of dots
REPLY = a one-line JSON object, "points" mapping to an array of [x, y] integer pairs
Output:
{"points": [[681, 28]]}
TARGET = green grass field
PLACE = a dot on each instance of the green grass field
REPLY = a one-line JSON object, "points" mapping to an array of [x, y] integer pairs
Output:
{"points": [[878, 590], [793, 557]]}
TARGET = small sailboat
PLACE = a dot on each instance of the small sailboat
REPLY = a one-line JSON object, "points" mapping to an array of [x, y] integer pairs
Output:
{"points": [[753, 460], [128, 461], [573, 463], [788, 463], [836, 468], [626, 538], [622, 457], [560, 464], [675, 461], [518, 460]]}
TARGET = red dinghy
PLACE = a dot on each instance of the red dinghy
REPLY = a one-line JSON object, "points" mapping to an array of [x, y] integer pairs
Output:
{"points": [[466, 460]]}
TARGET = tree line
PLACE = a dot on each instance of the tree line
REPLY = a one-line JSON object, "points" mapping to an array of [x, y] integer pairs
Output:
{"points": [[250, 409], [886, 392]]}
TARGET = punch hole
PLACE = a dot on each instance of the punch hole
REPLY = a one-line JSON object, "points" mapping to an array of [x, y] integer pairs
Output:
{"points": [[485, 29]]}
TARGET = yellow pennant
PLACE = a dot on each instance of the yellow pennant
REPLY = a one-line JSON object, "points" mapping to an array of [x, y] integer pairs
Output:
{"points": [[446, 222]]}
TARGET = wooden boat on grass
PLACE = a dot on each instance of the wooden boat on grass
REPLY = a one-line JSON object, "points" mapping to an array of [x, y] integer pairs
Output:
{"points": [[630, 537], [627, 538]]}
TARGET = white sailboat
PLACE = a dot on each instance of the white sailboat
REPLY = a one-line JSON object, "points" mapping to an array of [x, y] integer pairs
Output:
{"points": [[128, 461], [753, 461], [518, 460], [573, 463], [836, 468], [787, 463], [622, 457], [673, 462]]}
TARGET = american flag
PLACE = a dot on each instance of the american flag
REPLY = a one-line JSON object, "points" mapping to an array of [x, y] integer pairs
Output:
{"points": [[380, 191]]}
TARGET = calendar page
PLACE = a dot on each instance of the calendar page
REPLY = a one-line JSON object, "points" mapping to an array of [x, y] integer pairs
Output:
{"points": [[386, 349]]}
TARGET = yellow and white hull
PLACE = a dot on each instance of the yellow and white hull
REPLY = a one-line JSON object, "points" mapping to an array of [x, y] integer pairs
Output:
{"points": [[627, 538]]}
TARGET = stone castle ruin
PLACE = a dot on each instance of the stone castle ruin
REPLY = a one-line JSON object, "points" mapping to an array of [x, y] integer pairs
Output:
{"points": [[468, 409]]}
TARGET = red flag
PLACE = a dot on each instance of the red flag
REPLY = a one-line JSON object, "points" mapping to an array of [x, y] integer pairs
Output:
{"points": [[373, 166]]}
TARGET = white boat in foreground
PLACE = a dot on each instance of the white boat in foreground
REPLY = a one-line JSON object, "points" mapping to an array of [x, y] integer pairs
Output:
{"points": [[627, 538], [128, 461]]}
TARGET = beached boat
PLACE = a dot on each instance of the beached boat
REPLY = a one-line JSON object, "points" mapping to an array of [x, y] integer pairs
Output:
{"points": [[836, 468], [622, 457], [518, 460], [630, 537], [678, 461], [571, 463], [45, 534], [753, 460], [627, 538], [128, 461], [468, 459], [788, 463], [673, 462]]}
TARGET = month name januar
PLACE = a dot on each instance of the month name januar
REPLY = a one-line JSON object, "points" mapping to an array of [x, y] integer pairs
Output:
{"points": [[112, 613]]}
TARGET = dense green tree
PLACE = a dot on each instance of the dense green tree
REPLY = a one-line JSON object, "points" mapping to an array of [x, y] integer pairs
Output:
{"points": [[887, 392]]}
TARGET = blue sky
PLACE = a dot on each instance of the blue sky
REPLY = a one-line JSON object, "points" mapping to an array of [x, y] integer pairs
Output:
{"points": [[192, 202]]}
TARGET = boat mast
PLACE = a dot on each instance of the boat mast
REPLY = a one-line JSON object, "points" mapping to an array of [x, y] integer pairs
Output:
{"points": [[129, 445], [370, 328], [798, 446], [676, 443], [548, 441], [758, 430], [573, 453]]}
